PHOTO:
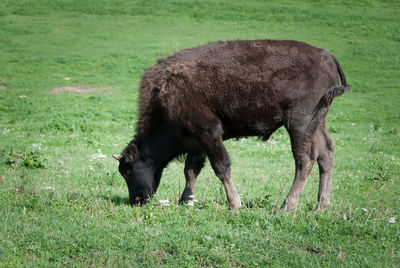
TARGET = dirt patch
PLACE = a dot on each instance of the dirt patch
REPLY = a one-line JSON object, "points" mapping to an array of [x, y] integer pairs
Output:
{"points": [[72, 196], [78, 89], [310, 250], [161, 255], [316, 251]]}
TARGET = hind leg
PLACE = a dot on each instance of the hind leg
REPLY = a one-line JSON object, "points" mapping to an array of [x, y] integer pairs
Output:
{"points": [[304, 154], [193, 164], [326, 151]]}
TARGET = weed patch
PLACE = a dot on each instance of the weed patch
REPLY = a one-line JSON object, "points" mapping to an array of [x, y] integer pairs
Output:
{"points": [[31, 160]]}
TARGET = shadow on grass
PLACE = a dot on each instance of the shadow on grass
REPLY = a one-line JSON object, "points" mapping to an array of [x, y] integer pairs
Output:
{"points": [[258, 203], [116, 200]]}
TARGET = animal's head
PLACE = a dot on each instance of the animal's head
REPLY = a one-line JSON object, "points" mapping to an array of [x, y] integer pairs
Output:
{"points": [[138, 174]]}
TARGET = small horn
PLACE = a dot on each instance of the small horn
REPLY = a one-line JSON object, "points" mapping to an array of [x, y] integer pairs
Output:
{"points": [[117, 156]]}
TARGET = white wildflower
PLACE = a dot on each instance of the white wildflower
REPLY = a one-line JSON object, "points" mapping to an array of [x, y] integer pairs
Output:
{"points": [[6, 131], [207, 237], [99, 155], [365, 210], [37, 146], [344, 217], [392, 220], [164, 202], [49, 188], [192, 202]]}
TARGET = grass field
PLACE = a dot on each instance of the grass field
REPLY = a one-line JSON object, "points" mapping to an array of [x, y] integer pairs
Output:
{"points": [[69, 78]]}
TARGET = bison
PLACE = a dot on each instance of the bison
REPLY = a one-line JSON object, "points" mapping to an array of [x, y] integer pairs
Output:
{"points": [[192, 101]]}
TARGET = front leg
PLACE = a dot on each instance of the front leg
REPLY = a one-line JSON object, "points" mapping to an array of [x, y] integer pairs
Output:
{"points": [[220, 162], [193, 165]]}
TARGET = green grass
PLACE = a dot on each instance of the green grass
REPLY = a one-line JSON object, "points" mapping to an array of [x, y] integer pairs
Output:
{"points": [[64, 203]]}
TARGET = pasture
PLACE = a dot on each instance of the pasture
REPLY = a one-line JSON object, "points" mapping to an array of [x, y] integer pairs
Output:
{"points": [[69, 78]]}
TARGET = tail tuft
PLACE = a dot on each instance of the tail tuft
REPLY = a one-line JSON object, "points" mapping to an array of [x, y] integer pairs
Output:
{"points": [[334, 92], [327, 99]]}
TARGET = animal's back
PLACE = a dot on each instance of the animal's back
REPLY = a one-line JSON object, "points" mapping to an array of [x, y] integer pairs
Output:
{"points": [[247, 84]]}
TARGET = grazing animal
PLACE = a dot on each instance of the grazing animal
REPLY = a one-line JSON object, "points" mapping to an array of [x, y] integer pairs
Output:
{"points": [[192, 101]]}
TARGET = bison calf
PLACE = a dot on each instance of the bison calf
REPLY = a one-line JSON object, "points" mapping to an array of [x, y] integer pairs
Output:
{"points": [[195, 99]]}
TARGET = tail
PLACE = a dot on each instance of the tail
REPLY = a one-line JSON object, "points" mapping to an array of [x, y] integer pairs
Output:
{"points": [[338, 90], [327, 99]]}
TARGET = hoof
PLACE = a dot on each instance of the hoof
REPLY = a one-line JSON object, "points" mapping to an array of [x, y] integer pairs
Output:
{"points": [[187, 199], [321, 207], [286, 207], [235, 205]]}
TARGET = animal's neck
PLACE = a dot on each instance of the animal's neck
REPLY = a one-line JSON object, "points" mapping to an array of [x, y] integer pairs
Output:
{"points": [[160, 148]]}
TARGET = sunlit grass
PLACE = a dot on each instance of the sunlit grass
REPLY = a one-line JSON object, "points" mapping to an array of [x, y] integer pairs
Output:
{"points": [[63, 201]]}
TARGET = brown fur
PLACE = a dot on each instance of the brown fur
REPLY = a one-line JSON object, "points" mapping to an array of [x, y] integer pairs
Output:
{"points": [[193, 100]]}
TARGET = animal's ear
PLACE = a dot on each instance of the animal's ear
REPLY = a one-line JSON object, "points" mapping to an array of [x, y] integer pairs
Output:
{"points": [[131, 153]]}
